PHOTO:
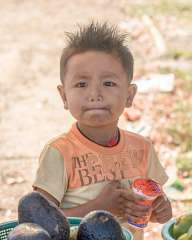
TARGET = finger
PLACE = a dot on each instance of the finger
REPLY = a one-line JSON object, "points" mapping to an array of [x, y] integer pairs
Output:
{"points": [[134, 219], [127, 195], [130, 195], [135, 212], [116, 183], [157, 203], [130, 212], [162, 208], [136, 207], [163, 215], [163, 219], [120, 203], [166, 212], [122, 193]]}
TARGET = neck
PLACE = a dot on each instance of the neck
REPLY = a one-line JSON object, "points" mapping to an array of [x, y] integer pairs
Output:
{"points": [[101, 135]]}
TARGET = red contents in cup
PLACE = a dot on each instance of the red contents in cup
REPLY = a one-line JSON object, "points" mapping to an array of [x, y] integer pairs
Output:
{"points": [[149, 190]]}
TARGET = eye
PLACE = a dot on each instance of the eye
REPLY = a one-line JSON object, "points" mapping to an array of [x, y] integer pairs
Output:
{"points": [[81, 84], [109, 83]]}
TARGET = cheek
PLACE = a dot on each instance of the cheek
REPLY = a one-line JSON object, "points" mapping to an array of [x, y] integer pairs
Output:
{"points": [[73, 99], [120, 99], [120, 92], [74, 105], [120, 104]]}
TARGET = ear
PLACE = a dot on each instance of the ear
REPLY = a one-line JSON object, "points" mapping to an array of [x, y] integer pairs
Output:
{"points": [[61, 90], [132, 89]]}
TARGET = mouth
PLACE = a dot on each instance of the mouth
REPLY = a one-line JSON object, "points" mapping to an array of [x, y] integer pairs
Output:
{"points": [[96, 109]]}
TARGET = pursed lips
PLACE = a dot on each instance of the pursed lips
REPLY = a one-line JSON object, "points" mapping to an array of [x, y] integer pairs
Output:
{"points": [[95, 108]]}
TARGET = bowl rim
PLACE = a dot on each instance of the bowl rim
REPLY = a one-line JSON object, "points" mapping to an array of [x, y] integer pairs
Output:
{"points": [[165, 230], [128, 232]]}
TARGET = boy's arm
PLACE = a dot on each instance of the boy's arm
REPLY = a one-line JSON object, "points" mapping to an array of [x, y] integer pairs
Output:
{"points": [[50, 180], [51, 177], [82, 209], [112, 198], [108, 200], [79, 211], [47, 195]]}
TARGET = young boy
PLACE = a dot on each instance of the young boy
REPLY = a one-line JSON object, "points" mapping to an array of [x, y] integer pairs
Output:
{"points": [[91, 166]]}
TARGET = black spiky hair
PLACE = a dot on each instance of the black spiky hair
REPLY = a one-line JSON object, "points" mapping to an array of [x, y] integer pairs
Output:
{"points": [[98, 37]]}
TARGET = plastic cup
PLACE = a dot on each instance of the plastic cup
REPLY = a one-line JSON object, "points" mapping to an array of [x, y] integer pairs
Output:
{"points": [[149, 190]]}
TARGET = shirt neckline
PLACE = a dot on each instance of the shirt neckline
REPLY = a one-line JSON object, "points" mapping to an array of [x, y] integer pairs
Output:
{"points": [[111, 143], [94, 146]]}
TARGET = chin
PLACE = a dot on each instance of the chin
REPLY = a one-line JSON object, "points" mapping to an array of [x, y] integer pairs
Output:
{"points": [[100, 123]]}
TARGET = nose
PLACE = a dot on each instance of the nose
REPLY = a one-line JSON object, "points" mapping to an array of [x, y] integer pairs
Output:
{"points": [[95, 94], [95, 99]]}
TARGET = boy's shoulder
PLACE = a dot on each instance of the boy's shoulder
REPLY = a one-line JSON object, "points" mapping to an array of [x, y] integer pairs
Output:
{"points": [[135, 138], [60, 141]]}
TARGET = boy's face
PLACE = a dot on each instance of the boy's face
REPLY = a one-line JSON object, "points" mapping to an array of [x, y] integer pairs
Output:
{"points": [[96, 89]]}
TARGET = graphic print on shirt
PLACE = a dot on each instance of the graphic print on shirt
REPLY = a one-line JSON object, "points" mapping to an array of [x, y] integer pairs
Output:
{"points": [[90, 168]]}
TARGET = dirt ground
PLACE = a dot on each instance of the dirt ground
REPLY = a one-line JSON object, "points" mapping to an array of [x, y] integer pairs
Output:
{"points": [[31, 112]]}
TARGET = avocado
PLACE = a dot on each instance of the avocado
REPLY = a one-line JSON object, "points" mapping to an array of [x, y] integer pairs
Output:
{"points": [[182, 225], [100, 225], [73, 233], [28, 231], [186, 236], [183, 237], [35, 208]]}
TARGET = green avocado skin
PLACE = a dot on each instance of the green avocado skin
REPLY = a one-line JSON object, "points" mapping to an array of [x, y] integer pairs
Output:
{"points": [[182, 225], [28, 231], [100, 225], [35, 208]]}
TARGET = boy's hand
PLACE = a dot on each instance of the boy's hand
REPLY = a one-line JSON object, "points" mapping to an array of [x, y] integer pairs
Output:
{"points": [[131, 209], [161, 209], [110, 198], [121, 202]]}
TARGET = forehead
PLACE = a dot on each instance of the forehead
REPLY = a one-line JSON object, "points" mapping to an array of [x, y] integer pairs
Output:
{"points": [[95, 62]]}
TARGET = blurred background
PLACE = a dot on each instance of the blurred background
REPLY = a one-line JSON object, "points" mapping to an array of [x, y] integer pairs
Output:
{"points": [[31, 112]]}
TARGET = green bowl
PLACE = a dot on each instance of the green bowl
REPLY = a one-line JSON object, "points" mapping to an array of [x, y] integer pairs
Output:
{"points": [[167, 230], [6, 227]]}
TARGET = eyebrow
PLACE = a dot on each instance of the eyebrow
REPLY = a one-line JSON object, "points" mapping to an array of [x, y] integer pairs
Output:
{"points": [[81, 75], [109, 74], [86, 75]]}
